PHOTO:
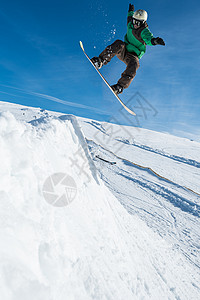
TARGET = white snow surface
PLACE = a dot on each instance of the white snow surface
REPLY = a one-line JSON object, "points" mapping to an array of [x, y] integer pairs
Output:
{"points": [[132, 230]]}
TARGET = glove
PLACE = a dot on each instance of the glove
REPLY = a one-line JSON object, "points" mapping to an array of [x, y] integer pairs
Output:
{"points": [[157, 41], [131, 7]]}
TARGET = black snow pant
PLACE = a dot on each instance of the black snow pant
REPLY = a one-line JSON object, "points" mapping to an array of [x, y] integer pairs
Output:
{"points": [[118, 48]]}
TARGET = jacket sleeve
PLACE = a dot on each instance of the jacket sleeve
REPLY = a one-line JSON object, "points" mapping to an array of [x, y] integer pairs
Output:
{"points": [[130, 17], [146, 35]]}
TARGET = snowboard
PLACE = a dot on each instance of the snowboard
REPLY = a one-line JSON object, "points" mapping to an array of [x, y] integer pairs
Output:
{"points": [[106, 82]]}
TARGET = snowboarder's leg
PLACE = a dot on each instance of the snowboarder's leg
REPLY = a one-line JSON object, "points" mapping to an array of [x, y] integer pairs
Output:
{"points": [[132, 62], [117, 48]]}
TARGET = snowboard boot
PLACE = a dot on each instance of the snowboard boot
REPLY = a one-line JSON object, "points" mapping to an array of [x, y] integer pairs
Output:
{"points": [[117, 88], [97, 61]]}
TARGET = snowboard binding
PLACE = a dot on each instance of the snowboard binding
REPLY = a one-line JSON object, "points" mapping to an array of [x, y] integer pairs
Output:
{"points": [[117, 88], [97, 62]]}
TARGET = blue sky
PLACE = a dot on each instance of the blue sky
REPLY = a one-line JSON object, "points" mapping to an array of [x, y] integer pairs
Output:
{"points": [[42, 65]]}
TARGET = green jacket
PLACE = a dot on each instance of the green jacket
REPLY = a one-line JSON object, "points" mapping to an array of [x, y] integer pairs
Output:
{"points": [[137, 39]]}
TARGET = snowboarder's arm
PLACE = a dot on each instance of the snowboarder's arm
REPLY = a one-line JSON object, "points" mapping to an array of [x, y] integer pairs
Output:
{"points": [[147, 36], [130, 13]]}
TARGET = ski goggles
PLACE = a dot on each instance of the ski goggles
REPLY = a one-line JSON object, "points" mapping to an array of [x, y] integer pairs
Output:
{"points": [[137, 22]]}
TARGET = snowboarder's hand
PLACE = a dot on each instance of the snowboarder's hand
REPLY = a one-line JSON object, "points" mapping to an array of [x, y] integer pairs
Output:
{"points": [[131, 7], [157, 41]]}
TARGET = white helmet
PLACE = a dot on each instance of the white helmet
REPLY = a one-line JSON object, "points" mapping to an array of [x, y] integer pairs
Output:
{"points": [[140, 15]]}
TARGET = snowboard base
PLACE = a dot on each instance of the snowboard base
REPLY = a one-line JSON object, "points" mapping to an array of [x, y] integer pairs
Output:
{"points": [[106, 82]]}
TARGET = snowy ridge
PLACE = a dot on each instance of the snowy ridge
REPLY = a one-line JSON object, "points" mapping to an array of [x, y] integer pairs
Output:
{"points": [[112, 138], [92, 248]]}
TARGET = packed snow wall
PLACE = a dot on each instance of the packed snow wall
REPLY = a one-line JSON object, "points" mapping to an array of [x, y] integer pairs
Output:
{"points": [[63, 234]]}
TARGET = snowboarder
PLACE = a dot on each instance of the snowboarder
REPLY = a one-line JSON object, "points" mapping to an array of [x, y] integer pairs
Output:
{"points": [[131, 50]]}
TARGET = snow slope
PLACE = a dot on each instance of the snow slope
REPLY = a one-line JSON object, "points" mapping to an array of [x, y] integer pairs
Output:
{"points": [[94, 247], [156, 177]]}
